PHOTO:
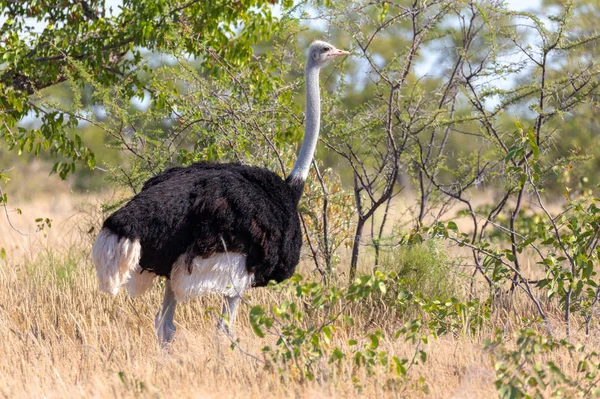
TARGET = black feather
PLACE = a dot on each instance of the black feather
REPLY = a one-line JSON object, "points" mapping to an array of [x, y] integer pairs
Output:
{"points": [[208, 208]]}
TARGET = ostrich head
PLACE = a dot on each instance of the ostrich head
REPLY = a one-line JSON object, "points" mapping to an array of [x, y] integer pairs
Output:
{"points": [[319, 53]]}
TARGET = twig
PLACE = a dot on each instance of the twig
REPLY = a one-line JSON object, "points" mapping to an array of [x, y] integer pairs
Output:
{"points": [[8, 217]]}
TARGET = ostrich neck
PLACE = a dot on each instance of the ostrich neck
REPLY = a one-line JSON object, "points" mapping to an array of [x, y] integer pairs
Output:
{"points": [[311, 131]]}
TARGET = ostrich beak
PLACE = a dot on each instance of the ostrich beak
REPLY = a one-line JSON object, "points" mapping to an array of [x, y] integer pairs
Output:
{"points": [[338, 53]]}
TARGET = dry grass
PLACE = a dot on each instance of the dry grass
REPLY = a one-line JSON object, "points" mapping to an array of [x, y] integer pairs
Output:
{"points": [[61, 337]]}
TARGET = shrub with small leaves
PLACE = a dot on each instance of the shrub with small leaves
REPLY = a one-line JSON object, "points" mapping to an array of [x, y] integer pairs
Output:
{"points": [[525, 367], [312, 322]]}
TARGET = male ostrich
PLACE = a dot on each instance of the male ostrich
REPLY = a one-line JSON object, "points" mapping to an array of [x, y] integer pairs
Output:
{"points": [[212, 228]]}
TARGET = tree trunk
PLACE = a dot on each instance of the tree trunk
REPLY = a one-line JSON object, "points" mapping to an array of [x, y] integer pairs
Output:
{"points": [[355, 248]]}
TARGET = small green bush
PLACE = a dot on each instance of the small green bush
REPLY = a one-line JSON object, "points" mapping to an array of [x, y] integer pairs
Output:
{"points": [[422, 268]]}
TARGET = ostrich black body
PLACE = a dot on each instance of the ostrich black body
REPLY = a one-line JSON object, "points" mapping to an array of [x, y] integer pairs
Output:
{"points": [[209, 208]]}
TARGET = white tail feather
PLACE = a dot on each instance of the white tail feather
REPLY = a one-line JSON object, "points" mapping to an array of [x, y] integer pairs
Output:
{"points": [[115, 260]]}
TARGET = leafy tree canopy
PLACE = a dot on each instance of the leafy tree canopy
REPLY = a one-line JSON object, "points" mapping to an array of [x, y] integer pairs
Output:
{"points": [[41, 41]]}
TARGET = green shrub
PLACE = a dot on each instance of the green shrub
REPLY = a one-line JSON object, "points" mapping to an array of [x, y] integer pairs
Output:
{"points": [[422, 268], [526, 366]]}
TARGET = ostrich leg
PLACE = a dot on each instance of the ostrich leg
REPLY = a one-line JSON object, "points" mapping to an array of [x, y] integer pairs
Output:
{"points": [[165, 329], [229, 312]]}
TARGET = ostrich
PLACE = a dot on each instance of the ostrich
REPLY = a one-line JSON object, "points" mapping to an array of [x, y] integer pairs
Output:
{"points": [[210, 227]]}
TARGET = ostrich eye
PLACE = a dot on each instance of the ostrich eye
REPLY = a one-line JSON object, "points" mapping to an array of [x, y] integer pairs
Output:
{"points": [[326, 49]]}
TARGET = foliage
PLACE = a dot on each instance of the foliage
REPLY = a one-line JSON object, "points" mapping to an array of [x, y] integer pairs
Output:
{"points": [[311, 319], [327, 210], [527, 369], [306, 326], [564, 244], [423, 267], [109, 44]]}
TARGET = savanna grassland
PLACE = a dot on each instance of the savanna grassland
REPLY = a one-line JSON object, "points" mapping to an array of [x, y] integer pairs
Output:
{"points": [[62, 337], [450, 219]]}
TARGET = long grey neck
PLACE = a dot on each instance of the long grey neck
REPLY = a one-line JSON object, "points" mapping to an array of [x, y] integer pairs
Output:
{"points": [[311, 131]]}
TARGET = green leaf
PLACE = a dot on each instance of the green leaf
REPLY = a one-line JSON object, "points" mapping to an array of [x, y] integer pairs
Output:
{"points": [[399, 365], [374, 341], [588, 268], [255, 321], [532, 143], [381, 286], [327, 334], [337, 354]]}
